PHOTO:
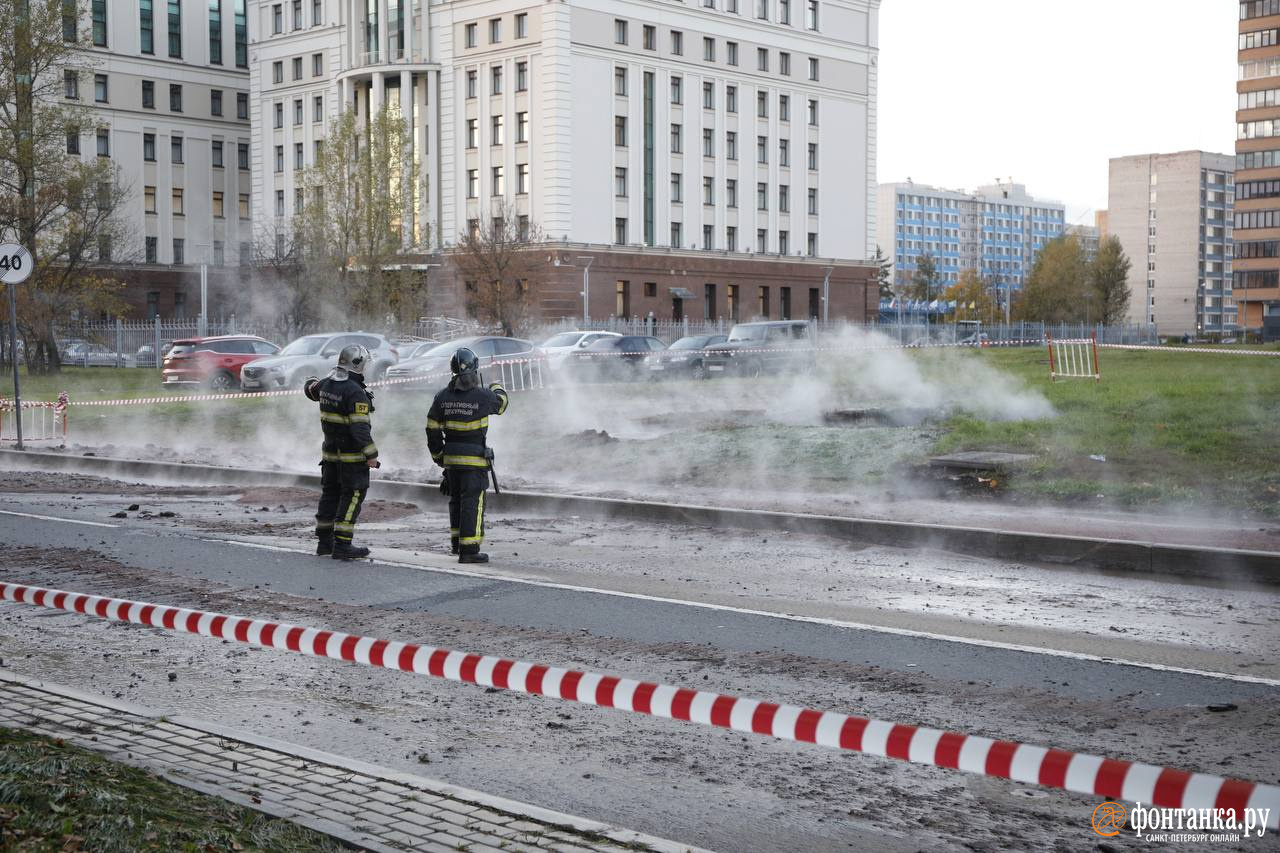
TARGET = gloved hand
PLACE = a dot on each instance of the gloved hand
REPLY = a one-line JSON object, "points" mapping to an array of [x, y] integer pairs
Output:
{"points": [[444, 486], [496, 386]]}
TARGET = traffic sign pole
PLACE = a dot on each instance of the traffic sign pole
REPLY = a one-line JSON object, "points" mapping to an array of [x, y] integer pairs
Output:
{"points": [[15, 267]]}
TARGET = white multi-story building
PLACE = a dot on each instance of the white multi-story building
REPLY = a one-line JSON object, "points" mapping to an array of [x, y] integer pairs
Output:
{"points": [[997, 231], [727, 125], [168, 87], [1173, 216]]}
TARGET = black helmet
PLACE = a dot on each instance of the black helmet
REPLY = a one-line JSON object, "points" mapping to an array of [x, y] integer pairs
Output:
{"points": [[466, 369]]}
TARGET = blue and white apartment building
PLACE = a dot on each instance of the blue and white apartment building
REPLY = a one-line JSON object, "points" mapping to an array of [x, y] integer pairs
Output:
{"points": [[996, 230]]}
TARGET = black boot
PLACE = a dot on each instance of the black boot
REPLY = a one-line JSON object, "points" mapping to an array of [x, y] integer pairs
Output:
{"points": [[473, 558], [347, 551], [453, 545], [324, 546]]}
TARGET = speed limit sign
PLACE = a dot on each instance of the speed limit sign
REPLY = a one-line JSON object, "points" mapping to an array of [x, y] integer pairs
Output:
{"points": [[15, 263]]}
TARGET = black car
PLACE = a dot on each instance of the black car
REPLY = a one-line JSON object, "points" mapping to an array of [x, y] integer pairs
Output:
{"points": [[607, 359], [684, 359], [769, 346]]}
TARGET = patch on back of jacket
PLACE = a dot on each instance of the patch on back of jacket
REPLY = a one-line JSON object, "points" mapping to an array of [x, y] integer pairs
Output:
{"points": [[362, 408]]}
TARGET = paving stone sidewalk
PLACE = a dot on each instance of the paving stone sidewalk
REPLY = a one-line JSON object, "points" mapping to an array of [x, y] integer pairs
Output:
{"points": [[369, 807]]}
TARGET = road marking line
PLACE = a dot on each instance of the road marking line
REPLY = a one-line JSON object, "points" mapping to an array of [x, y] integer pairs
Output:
{"points": [[57, 518], [790, 617]]}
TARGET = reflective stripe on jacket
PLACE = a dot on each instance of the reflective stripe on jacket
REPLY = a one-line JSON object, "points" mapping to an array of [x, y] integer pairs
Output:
{"points": [[458, 424]]}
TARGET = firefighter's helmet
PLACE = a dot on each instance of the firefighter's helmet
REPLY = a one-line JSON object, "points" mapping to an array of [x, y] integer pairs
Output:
{"points": [[465, 366], [354, 359]]}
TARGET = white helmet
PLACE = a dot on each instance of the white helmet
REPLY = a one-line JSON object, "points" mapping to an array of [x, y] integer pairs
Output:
{"points": [[353, 359]]}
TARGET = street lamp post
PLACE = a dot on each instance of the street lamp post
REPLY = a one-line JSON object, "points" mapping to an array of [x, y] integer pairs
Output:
{"points": [[826, 296], [586, 286]]}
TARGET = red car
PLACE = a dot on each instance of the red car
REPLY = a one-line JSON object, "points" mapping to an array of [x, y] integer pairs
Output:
{"points": [[213, 362]]}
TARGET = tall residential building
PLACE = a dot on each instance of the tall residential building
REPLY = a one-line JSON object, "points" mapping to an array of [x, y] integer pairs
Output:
{"points": [[169, 92], [719, 130], [1089, 237], [1257, 213], [1172, 214], [997, 230]]}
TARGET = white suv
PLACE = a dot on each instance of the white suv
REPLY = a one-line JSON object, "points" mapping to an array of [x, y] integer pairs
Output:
{"points": [[559, 347]]}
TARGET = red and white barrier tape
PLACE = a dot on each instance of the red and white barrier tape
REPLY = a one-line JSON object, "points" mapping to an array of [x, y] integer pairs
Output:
{"points": [[1222, 351], [1086, 774]]}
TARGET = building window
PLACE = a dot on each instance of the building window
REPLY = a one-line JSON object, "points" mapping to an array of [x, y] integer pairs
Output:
{"points": [[620, 81], [218, 212], [215, 154], [278, 113], [317, 12], [813, 68], [280, 205], [148, 199], [677, 139], [244, 205], [650, 38], [472, 76], [731, 144], [812, 245], [99, 12], [709, 49], [620, 131], [175, 29], [522, 25], [677, 90], [708, 190], [813, 112], [495, 30], [620, 230], [762, 104], [177, 202], [473, 133], [731, 238], [495, 74], [317, 64], [762, 197], [522, 76], [242, 156], [473, 183], [175, 98], [497, 134], [623, 302], [277, 19], [762, 149], [149, 147], [762, 58], [471, 30], [677, 235], [677, 43], [619, 31], [784, 62], [298, 197], [297, 111], [317, 108], [762, 240], [522, 178], [175, 149], [708, 237], [708, 142], [215, 102], [73, 141], [731, 99], [70, 84], [297, 68], [298, 160], [784, 108], [709, 301], [179, 250], [731, 193], [152, 298], [813, 201], [813, 156], [784, 242], [277, 72], [784, 198], [708, 96], [279, 158], [620, 182], [812, 22], [242, 106], [215, 32], [784, 152], [100, 88], [784, 12], [762, 9], [241, 33], [676, 193], [146, 26], [522, 127]]}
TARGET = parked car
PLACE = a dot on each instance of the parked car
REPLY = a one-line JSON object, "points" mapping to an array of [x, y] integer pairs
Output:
{"points": [[315, 355], [84, 354], [488, 348], [146, 354], [215, 363], [613, 358], [767, 346], [414, 349], [560, 346], [686, 358], [977, 339]]}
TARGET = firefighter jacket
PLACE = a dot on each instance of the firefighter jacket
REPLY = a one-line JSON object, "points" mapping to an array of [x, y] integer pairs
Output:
{"points": [[458, 423], [345, 406]]}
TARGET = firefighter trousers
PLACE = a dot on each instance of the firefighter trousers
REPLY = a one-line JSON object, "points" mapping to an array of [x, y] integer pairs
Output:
{"points": [[466, 507], [343, 486]]}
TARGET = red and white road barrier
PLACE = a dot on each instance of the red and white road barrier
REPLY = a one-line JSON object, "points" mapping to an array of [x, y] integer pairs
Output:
{"points": [[1037, 765]]}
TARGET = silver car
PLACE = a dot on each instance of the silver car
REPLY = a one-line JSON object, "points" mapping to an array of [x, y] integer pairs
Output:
{"points": [[435, 362], [314, 355]]}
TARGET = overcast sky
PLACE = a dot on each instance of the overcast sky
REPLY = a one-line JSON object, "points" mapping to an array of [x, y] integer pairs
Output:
{"points": [[1046, 92]]}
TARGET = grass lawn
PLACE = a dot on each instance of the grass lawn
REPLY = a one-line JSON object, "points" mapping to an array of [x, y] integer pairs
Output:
{"points": [[58, 797], [86, 383]]}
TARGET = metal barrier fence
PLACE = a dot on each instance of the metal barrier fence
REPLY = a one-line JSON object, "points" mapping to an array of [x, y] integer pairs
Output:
{"points": [[44, 422]]}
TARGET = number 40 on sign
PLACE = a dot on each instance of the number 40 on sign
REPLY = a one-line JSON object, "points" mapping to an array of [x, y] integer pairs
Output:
{"points": [[15, 263]]}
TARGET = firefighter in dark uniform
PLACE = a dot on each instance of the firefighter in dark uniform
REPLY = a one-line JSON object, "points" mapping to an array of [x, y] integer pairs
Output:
{"points": [[456, 428], [348, 452]]}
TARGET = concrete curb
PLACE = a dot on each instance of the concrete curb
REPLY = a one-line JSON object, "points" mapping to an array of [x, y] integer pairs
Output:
{"points": [[1166, 561]]}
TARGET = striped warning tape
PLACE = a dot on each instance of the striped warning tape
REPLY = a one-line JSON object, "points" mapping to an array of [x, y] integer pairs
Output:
{"points": [[1086, 774]]}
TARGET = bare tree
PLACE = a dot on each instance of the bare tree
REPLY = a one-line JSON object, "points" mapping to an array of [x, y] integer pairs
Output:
{"points": [[283, 293], [63, 208], [497, 258]]}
